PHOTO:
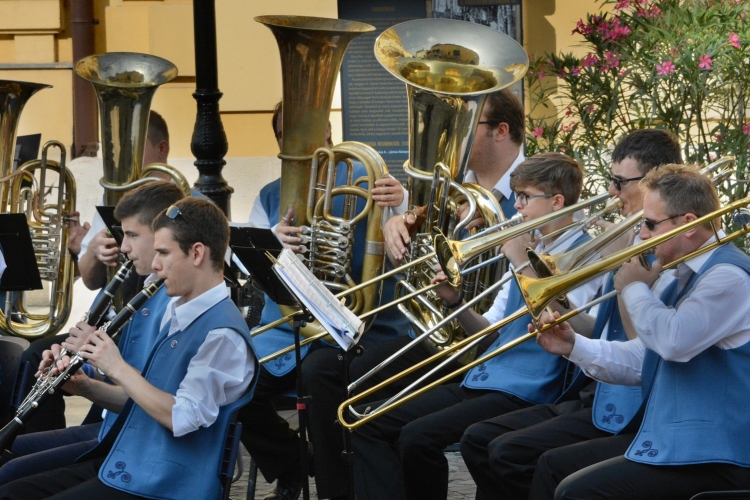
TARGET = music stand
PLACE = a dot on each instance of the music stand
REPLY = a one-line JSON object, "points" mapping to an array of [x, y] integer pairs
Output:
{"points": [[22, 272], [251, 246], [107, 213]]}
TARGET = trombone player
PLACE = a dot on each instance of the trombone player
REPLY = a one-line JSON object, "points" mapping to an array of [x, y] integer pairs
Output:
{"points": [[400, 455], [693, 338]]}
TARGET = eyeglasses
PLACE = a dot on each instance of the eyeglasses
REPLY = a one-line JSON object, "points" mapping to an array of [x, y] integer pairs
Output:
{"points": [[523, 198], [619, 181], [651, 225], [174, 211]]}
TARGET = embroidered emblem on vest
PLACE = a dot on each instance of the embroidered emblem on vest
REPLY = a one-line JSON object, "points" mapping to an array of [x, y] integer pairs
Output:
{"points": [[281, 361], [647, 450], [481, 375], [125, 477], [173, 344], [607, 419], [145, 311]]}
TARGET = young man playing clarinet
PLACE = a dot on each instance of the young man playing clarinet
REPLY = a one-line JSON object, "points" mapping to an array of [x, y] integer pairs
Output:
{"points": [[168, 439], [41, 451], [691, 357]]}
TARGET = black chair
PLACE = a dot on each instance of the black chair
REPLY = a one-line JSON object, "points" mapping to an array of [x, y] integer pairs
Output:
{"points": [[11, 349], [721, 495], [229, 455]]}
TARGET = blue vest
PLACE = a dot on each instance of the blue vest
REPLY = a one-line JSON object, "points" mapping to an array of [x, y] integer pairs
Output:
{"points": [[695, 410], [137, 339], [146, 459], [528, 371], [389, 324]]}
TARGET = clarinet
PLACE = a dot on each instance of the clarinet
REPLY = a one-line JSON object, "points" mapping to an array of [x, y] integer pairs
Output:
{"points": [[39, 395]]}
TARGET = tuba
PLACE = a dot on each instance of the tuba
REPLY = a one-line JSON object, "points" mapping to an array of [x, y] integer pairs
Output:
{"points": [[26, 191], [449, 67], [311, 51]]}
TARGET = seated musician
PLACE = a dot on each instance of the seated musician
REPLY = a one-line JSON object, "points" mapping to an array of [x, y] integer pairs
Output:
{"points": [[41, 451], [501, 453], [400, 454], [168, 439], [690, 357]]}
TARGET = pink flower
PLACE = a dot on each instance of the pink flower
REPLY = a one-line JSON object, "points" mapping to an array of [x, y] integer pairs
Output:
{"points": [[562, 74], [542, 74], [673, 52], [611, 60], [746, 129], [568, 112], [705, 62], [617, 33], [734, 40], [538, 132], [622, 4], [719, 137], [575, 71], [590, 60], [583, 29], [665, 68]]}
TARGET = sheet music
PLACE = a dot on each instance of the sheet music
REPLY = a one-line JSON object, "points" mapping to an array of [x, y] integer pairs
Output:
{"points": [[343, 325]]}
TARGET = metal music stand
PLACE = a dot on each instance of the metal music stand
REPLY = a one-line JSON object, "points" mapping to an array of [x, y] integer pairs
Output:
{"points": [[22, 272], [251, 246]]}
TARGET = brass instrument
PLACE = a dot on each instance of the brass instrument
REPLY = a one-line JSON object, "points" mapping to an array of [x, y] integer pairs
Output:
{"points": [[25, 191], [538, 293], [448, 67]]}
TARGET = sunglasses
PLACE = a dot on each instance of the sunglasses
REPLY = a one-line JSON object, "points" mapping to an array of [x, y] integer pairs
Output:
{"points": [[651, 225], [619, 181], [174, 211]]}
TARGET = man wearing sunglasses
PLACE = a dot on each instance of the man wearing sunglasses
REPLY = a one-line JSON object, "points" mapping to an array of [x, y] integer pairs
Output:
{"points": [[690, 358], [501, 453], [169, 437]]}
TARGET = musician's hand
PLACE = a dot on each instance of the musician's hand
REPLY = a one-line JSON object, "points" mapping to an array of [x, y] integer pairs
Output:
{"points": [[76, 232], [446, 292], [633, 271], [557, 340], [77, 384], [287, 232], [463, 212], [102, 352], [396, 235], [78, 336], [515, 250], [105, 248], [388, 192], [48, 359]]}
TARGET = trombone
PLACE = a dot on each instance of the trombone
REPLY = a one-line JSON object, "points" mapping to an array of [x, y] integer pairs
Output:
{"points": [[539, 292]]}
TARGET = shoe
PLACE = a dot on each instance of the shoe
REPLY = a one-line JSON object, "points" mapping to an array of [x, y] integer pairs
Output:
{"points": [[288, 486]]}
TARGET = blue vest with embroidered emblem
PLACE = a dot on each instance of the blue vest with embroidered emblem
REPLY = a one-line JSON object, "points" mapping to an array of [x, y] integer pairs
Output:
{"points": [[695, 410], [528, 371], [138, 339], [389, 324], [146, 459]]}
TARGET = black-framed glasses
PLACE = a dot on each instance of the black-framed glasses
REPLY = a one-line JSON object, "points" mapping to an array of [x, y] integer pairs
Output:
{"points": [[174, 211], [523, 198], [651, 225], [619, 181]]}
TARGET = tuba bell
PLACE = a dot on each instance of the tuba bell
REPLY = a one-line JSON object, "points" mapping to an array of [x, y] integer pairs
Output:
{"points": [[26, 191]]}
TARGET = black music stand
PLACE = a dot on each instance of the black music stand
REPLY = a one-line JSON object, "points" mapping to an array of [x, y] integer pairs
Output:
{"points": [[22, 272], [107, 213], [251, 246]]}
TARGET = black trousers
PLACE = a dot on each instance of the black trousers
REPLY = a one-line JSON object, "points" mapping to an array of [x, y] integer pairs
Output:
{"points": [[75, 482], [323, 376], [620, 478], [400, 454], [267, 437], [501, 453]]}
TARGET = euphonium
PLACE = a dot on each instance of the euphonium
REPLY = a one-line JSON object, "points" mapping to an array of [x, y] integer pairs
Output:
{"points": [[449, 67], [48, 223]]}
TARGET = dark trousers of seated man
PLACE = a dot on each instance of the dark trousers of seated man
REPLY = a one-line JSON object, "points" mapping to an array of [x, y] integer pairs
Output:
{"points": [[400, 454], [75, 482]]}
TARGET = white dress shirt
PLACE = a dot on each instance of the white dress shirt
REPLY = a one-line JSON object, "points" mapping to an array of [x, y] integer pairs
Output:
{"points": [[503, 185], [579, 296], [702, 319], [97, 226], [219, 373]]}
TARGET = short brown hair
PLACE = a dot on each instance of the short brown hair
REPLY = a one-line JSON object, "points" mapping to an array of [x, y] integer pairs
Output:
{"points": [[683, 188], [147, 201], [650, 148], [552, 173], [204, 223], [504, 107], [157, 128]]}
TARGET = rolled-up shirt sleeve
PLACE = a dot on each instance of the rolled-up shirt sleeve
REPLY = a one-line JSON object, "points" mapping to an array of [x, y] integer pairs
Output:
{"points": [[610, 362], [219, 374]]}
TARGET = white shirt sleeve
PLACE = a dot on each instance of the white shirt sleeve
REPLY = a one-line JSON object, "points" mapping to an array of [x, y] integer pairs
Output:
{"points": [[97, 226], [403, 207], [258, 215], [219, 374], [611, 362], [704, 318]]}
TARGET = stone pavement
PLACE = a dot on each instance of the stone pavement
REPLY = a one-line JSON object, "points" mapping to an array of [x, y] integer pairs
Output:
{"points": [[460, 486]]}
